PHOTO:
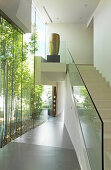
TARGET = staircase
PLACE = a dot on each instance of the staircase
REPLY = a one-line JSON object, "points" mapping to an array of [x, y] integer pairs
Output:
{"points": [[101, 95]]}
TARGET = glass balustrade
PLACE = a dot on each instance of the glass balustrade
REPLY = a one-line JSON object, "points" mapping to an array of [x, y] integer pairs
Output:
{"points": [[89, 118]]}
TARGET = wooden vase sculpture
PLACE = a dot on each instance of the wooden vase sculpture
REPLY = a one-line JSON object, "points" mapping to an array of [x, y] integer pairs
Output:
{"points": [[54, 44]]}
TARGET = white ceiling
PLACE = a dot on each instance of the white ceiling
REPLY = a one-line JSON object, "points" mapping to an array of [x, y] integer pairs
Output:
{"points": [[67, 11]]}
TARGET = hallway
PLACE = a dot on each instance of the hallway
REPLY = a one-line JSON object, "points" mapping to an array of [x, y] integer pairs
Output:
{"points": [[47, 147]]}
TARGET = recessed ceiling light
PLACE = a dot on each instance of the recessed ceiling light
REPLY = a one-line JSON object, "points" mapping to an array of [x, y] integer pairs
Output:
{"points": [[86, 5]]}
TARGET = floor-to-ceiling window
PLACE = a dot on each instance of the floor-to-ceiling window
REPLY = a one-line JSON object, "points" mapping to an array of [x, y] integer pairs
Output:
{"points": [[10, 81], [21, 101]]}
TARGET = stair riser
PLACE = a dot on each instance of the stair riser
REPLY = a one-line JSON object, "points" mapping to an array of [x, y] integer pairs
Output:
{"points": [[87, 69], [100, 97], [103, 104], [96, 84], [107, 127], [107, 164], [106, 116], [95, 81], [105, 113], [100, 90]]}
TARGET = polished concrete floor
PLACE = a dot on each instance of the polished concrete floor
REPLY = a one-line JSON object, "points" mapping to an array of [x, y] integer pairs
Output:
{"points": [[47, 147]]}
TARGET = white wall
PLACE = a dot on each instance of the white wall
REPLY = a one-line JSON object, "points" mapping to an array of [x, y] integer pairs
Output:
{"points": [[60, 98], [102, 39], [67, 106], [78, 39]]}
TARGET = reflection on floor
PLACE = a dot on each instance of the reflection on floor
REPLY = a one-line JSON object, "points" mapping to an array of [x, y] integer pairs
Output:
{"points": [[47, 147]]}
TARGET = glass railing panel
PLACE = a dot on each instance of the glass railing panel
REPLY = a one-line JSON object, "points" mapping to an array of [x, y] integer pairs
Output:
{"points": [[90, 121], [63, 52], [69, 59], [91, 126]]}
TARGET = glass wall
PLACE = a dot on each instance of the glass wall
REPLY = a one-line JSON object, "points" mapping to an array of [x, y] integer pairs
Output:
{"points": [[20, 99], [10, 81], [32, 94], [39, 25]]}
